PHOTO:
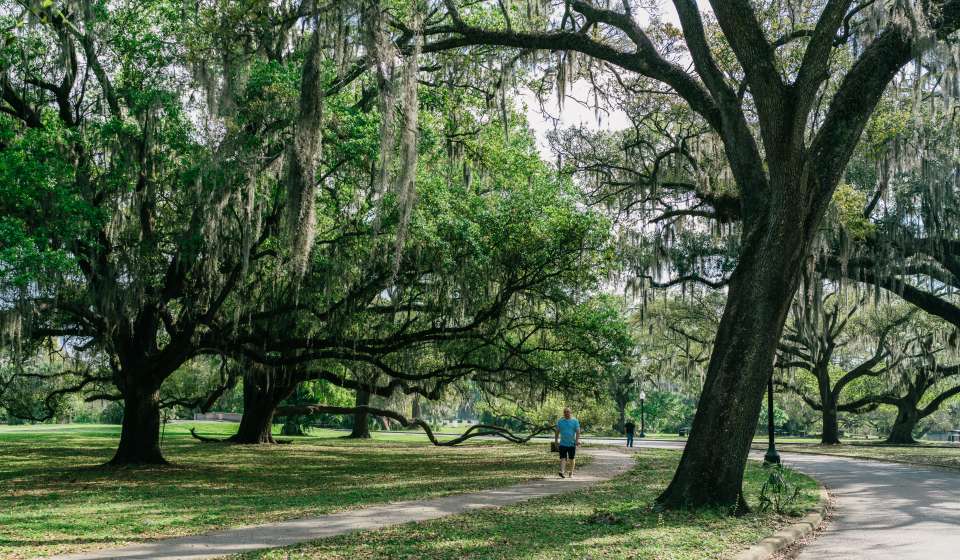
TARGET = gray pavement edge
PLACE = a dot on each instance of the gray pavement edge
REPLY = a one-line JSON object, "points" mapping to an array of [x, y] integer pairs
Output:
{"points": [[790, 534]]}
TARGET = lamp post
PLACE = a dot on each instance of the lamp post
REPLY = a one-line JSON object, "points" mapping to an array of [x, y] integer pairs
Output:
{"points": [[642, 396], [772, 457]]}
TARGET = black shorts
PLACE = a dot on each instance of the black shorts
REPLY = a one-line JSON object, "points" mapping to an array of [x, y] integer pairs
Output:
{"points": [[568, 452]]}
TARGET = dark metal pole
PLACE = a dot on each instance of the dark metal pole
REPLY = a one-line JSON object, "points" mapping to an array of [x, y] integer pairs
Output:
{"points": [[642, 420], [772, 457]]}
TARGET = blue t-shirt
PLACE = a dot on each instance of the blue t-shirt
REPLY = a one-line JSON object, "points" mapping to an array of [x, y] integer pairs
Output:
{"points": [[568, 431]]}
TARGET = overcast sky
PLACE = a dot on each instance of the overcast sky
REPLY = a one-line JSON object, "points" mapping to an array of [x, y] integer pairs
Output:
{"points": [[577, 114]]}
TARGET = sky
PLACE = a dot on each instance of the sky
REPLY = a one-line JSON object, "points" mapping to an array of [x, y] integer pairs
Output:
{"points": [[577, 114], [572, 114]]}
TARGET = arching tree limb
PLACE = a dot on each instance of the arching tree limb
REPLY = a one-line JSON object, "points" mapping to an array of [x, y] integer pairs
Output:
{"points": [[474, 431]]}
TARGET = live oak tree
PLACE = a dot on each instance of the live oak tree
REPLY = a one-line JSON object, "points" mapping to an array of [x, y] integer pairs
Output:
{"points": [[482, 302], [786, 143], [361, 426], [924, 378], [149, 168], [924, 390], [263, 390], [116, 145], [493, 280], [820, 341]]}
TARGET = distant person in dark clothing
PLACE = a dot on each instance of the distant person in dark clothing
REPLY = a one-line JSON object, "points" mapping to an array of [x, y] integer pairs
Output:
{"points": [[629, 428]]}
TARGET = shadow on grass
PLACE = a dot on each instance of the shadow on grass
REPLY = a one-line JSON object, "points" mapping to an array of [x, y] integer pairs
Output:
{"points": [[56, 490], [567, 526]]}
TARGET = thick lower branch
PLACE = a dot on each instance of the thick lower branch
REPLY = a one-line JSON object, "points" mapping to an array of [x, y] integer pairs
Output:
{"points": [[208, 439], [473, 431]]}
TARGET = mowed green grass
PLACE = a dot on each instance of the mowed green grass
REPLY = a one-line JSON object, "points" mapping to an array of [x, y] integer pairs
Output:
{"points": [[932, 454], [568, 527], [56, 497]]}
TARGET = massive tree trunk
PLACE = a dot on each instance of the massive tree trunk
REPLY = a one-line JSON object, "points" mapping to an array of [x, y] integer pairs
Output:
{"points": [[831, 428], [263, 391], [140, 434], [361, 427], [761, 290], [904, 425], [830, 435]]}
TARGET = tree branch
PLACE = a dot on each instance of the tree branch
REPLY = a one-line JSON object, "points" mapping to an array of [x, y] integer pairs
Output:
{"points": [[475, 430]]}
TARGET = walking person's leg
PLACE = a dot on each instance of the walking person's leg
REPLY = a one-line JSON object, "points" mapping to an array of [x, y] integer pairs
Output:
{"points": [[571, 461]]}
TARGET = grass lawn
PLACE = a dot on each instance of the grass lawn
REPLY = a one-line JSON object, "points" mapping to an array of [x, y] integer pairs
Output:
{"points": [[570, 527], [919, 454], [54, 496]]}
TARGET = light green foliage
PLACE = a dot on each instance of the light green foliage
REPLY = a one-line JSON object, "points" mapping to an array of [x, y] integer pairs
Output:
{"points": [[890, 121], [595, 415], [847, 208], [665, 411], [39, 205], [780, 417]]}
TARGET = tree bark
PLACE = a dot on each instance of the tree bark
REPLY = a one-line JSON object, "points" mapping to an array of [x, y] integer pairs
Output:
{"points": [[256, 425], [292, 427], [361, 427], [830, 435], [140, 432], [904, 425], [262, 393], [416, 409], [831, 428], [761, 290], [621, 416]]}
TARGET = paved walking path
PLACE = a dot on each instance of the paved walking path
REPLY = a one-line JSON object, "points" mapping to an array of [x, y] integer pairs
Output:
{"points": [[606, 463], [882, 511]]}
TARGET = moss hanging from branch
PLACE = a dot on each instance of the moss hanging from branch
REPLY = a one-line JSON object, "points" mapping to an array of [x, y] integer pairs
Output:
{"points": [[406, 179], [304, 156], [383, 55]]}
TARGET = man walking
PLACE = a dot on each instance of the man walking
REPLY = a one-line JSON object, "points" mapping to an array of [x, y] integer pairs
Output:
{"points": [[629, 428], [568, 439]]}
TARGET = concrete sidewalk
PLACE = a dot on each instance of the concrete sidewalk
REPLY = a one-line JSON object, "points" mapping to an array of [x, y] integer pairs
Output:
{"points": [[606, 463], [884, 511], [881, 511]]}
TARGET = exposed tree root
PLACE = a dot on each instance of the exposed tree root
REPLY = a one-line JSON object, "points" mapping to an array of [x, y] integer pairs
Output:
{"points": [[208, 439]]}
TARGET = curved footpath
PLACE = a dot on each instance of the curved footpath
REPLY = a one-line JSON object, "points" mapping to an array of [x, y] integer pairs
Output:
{"points": [[881, 511], [605, 464]]}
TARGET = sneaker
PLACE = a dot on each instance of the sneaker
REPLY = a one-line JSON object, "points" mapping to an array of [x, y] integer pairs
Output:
{"points": [[561, 474], [569, 475]]}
